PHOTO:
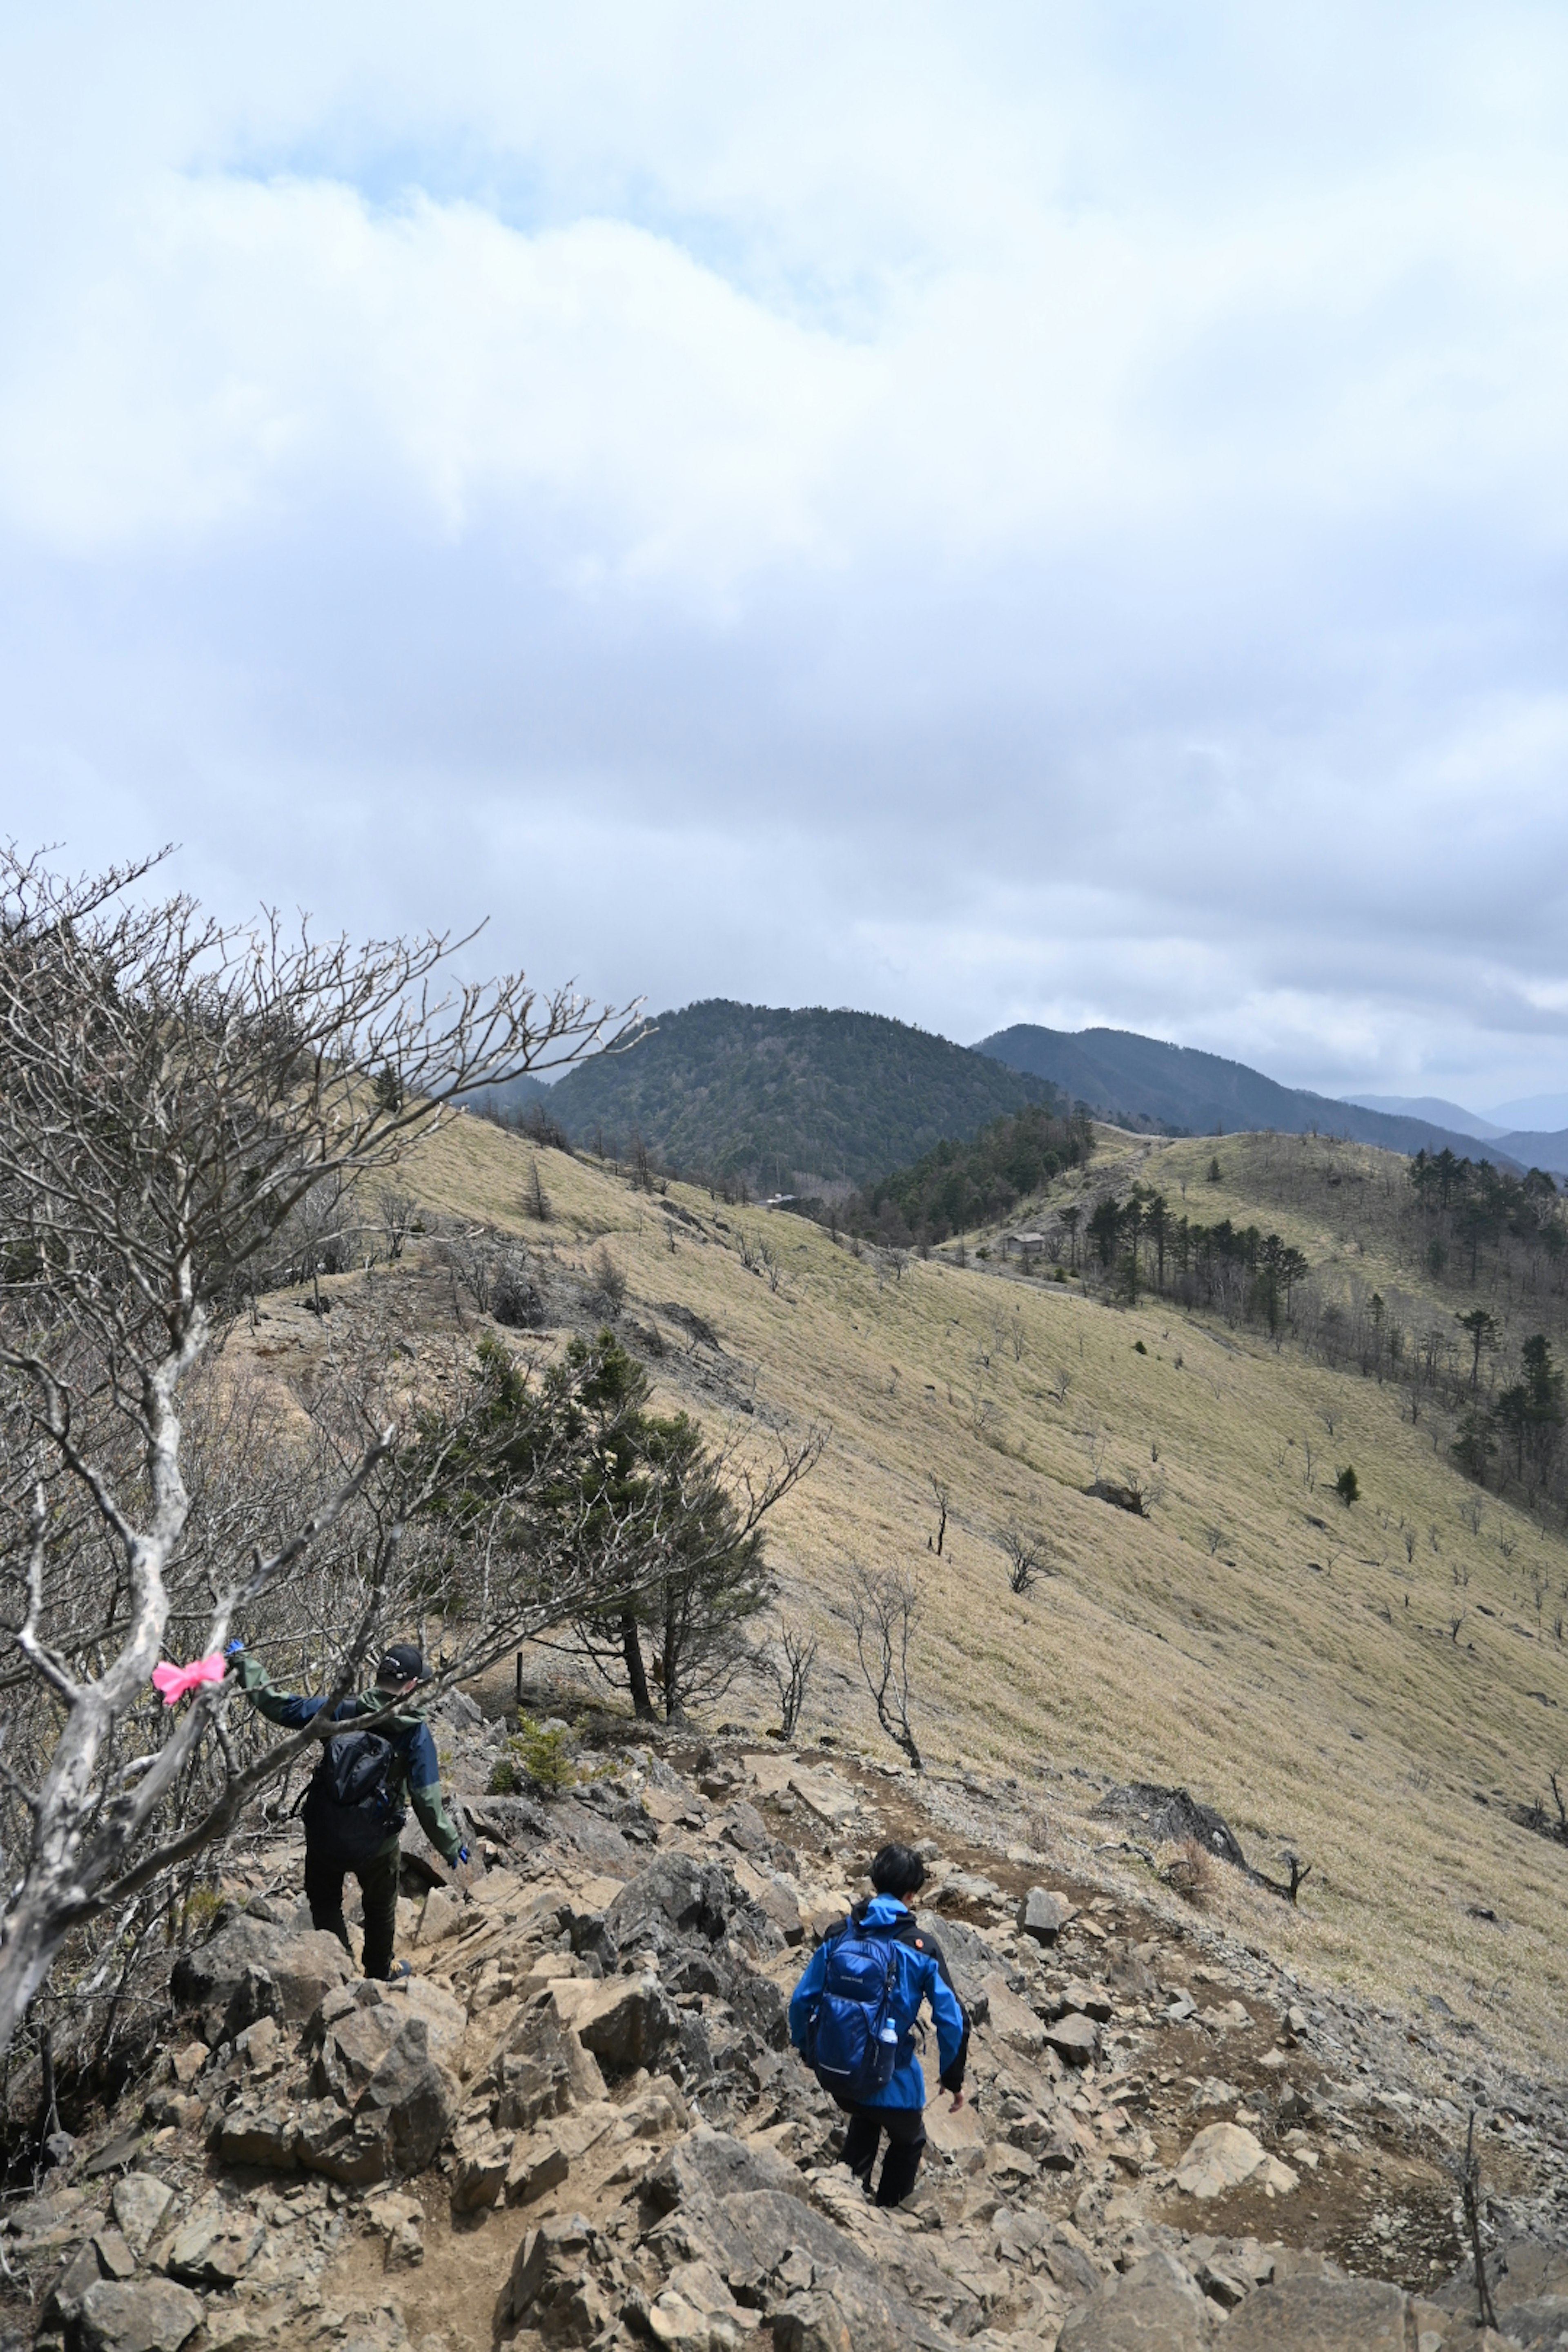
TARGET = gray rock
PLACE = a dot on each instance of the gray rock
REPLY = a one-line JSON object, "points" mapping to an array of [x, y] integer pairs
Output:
{"points": [[552, 2287], [716, 2164], [256, 1996], [1042, 1915], [303, 1967], [1153, 2307], [410, 2099], [537, 2163], [1319, 2314], [479, 2174], [265, 2135], [64, 2300], [141, 2204], [626, 2022], [150, 2316], [1074, 2038], [214, 2247], [674, 1896]]}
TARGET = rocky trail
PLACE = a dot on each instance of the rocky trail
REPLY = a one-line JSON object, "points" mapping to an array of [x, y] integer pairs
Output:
{"points": [[579, 2122]]}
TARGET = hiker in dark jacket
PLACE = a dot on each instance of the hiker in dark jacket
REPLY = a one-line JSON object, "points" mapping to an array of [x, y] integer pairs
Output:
{"points": [[923, 1975], [364, 1838]]}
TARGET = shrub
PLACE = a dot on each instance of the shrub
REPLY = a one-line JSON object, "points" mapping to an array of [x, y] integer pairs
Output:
{"points": [[535, 1755], [1190, 1872], [1347, 1486]]}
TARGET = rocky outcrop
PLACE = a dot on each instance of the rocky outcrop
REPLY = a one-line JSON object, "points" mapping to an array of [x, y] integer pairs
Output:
{"points": [[585, 2098]]}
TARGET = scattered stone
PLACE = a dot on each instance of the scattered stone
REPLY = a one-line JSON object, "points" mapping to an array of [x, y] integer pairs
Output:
{"points": [[1043, 1916], [214, 2247], [141, 2204], [481, 2158], [150, 2316], [536, 2163], [187, 2064], [115, 2259], [1227, 2156], [1320, 2315], [1153, 2307], [625, 2022], [1075, 2039], [410, 2098]]}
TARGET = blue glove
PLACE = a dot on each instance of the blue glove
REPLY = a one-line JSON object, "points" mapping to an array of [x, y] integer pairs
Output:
{"points": [[462, 1854], [233, 1648]]}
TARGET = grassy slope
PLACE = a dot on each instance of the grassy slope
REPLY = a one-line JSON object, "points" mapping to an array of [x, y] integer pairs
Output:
{"points": [[1327, 1708]]}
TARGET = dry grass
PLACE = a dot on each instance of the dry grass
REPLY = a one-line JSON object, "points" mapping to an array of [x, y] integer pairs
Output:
{"points": [[1299, 1675]]}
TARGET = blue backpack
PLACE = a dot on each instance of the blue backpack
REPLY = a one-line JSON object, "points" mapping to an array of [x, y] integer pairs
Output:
{"points": [[851, 2040]]}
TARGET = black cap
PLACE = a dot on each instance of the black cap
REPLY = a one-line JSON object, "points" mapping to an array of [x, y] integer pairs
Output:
{"points": [[403, 1663]]}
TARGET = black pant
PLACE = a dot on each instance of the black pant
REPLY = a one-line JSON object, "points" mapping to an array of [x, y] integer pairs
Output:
{"points": [[906, 2130], [324, 1879]]}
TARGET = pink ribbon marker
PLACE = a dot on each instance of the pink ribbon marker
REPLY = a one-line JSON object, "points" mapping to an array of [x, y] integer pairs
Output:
{"points": [[173, 1682]]}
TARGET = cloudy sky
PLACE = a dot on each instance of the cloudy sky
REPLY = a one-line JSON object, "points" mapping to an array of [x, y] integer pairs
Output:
{"points": [[985, 512]]}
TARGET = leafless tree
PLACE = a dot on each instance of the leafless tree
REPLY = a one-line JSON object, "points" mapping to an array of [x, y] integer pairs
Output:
{"points": [[941, 1491], [881, 1610], [1027, 1555], [788, 1664], [399, 1213], [172, 1093]]}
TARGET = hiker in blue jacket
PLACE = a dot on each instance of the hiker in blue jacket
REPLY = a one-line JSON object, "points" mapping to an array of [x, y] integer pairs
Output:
{"points": [[913, 1971], [396, 1766]]}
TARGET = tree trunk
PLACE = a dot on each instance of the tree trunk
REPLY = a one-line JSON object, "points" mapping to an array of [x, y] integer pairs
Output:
{"points": [[636, 1673]]}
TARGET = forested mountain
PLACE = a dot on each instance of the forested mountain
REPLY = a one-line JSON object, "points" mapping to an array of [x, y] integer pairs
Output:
{"points": [[956, 1186], [782, 1097], [1141, 1081]]}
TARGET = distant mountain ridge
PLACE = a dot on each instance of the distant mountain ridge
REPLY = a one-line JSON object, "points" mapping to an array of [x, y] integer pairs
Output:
{"points": [[1118, 1072], [782, 1097], [1434, 1108]]}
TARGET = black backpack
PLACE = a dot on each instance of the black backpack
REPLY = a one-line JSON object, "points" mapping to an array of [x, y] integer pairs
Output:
{"points": [[349, 1810]]}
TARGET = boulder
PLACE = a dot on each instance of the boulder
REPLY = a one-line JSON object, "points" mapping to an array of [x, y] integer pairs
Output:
{"points": [[214, 2247], [1042, 1915], [695, 2311], [825, 1796], [446, 2019], [148, 2315], [480, 2171], [551, 2287], [141, 2204], [1319, 2314], [207, 1977], [410, 2099], [1074, 2038], [772, 1898], [1226, 2156], [1085, 2001], [537, 2162], [714, 2164], [442, 1916], [304, 1969], [1013, 2019], [1153, 2307], [625, 2022], [674, 1896], [541, 2068], [266, 2134]]}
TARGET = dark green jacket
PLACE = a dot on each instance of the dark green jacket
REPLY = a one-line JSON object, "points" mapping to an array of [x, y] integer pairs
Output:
{"points": [[414, 1776]]}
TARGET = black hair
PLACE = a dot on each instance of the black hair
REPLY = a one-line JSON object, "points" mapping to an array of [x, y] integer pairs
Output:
{"points": [[898, 1870]]}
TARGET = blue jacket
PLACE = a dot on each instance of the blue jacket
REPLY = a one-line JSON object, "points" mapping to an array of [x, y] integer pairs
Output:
{"points": [[923, 1975]]}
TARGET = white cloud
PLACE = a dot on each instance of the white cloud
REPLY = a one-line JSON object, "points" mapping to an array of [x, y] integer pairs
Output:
{"points": [[989, 513]]}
